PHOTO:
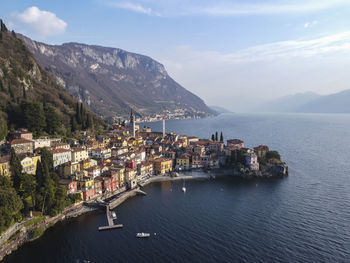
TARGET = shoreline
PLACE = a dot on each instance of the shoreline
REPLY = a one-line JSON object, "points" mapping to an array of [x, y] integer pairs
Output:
{"points": [[82, 209], [118, 198]]}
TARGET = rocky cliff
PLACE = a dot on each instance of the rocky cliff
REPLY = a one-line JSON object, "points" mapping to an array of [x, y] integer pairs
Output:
{"points": [[112, 81]]}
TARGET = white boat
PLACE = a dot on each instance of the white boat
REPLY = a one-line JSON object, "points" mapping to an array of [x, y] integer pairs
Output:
{"points": [[114, 215], [143, 235], [183, 187]]}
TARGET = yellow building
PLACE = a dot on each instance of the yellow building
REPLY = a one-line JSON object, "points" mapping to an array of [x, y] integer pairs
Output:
{"points": [[69, 168], [120, 142], [183, 161], [29, 162], [5, 165], [85, 183], [86, 164], [79, 154], [121, 174], [162, 165]]}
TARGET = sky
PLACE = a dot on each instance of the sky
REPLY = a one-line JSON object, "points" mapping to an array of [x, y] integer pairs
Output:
{"points": [[236, 54]]}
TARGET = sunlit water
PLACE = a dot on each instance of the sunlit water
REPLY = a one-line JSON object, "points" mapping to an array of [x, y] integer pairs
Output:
{"points": [[302, 218]]}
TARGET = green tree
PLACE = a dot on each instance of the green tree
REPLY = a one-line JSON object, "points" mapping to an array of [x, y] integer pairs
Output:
{"points": [[29, 187], [53, 120], [10, 207], [3, 127], [273, 155], [12, 95], [2, 26], [74, 124], [221, 137], [24, 93], [213, 137], [16, 170], [34, 117], [89, 122], [216, 136], [46, 158]]}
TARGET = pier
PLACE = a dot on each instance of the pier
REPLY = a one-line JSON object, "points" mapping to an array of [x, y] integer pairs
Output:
{"points": [[111, 224]]}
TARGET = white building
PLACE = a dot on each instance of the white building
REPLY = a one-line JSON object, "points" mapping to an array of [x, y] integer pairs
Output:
{"points": [[101, 153], [45, 142], [252, 161], [61, 156]]}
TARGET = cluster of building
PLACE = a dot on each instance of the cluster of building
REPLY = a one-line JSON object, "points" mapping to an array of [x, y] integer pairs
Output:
{"points": [[123, 157]]}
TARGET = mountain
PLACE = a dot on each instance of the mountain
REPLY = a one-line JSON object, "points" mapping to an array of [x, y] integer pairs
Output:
{"points": [[112, 81], [219, 109], [29, 94], [333, 103], [290, 103]]}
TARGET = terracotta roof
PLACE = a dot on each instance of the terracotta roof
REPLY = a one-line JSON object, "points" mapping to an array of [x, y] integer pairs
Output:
{"points": [[5, 159], [20, 141], [233, 141], [60, 150], [261, 148]]}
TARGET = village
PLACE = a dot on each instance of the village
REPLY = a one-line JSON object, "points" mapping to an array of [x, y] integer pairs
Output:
{"points": [[126, 156]]}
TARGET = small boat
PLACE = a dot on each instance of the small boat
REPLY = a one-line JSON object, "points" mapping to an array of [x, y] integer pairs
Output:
{"points": [[183, 187], [143, 235], [114, 215]]}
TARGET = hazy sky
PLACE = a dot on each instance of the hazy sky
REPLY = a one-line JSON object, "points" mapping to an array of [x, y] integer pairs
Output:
{"points": [[236, 53]]}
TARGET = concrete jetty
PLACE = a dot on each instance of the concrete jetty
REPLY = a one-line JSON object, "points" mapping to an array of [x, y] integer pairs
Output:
{"points": [[111, 224]]}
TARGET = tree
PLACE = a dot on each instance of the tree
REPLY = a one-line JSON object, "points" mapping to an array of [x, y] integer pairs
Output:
{"points": [[213, 137], [34, 117], [74, 124], [3, 28], [29, 187], [273, 155], [53, 120], [10, 207], [24, 93], [221, 137], [3, 127], [46, 158], [89, 122], [16, 170], [12, 95], [216, 136]]}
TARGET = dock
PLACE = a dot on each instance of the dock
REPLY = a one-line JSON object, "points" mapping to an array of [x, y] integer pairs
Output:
{"points": [[110, 227], [111, 224]]}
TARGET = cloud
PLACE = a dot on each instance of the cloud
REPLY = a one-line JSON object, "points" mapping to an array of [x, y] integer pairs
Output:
{"points": [[43, 23], [310, 24], [224, 7], [138, 8], [263, 72]]}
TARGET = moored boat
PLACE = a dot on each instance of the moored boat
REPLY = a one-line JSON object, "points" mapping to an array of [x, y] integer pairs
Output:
{"points": [[142, 234]]}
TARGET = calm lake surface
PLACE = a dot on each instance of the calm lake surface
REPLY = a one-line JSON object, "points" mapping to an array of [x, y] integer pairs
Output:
{"points": [[302, 218]]}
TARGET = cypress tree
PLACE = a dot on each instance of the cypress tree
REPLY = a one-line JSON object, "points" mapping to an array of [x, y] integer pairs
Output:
{"points": [[11, 92], [24, 93], [89, 122], [3, 127], [213, 137], [221, 137], [2, 26], [16, 169], [216, 136]]}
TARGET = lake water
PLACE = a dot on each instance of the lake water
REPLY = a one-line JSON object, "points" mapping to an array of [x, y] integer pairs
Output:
{"points": [[302, 218]]}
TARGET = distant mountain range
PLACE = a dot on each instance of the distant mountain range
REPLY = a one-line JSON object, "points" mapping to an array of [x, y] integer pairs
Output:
{"points": [[310, 103], [112, 81], [219, 109]]}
